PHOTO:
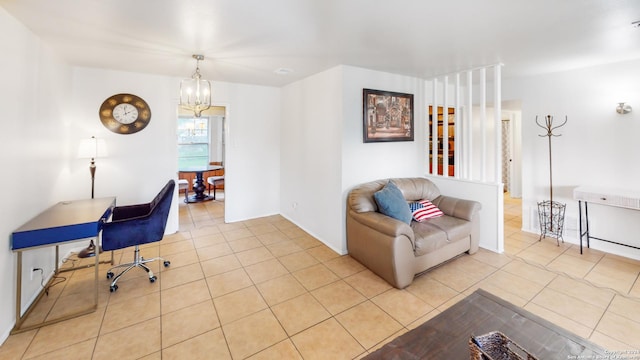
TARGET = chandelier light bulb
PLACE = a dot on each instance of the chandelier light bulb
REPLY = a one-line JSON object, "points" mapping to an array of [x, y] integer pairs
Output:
{"points": [[201, 99]]}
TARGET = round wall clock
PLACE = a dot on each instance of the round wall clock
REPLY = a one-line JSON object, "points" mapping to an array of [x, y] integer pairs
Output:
{"points": [[125, 113]]}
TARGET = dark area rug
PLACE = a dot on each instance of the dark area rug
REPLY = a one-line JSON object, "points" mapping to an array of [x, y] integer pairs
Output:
{"points": [[446, 336]]}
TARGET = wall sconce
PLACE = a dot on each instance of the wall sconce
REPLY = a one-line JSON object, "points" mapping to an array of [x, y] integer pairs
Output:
{"points": [[623, 108]]}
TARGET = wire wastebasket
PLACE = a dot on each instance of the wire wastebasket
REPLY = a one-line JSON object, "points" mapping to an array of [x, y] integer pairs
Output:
{"points": [[551, 218]]}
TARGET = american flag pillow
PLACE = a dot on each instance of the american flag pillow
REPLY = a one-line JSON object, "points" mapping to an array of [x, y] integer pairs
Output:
{"points": [[423, 210]]}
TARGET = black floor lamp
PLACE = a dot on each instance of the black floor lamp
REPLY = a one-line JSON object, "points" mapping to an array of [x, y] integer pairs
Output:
{"points": [[91, 149]]}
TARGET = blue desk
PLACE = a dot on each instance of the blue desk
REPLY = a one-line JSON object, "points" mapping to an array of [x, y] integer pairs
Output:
{"points": [[64, 222]]}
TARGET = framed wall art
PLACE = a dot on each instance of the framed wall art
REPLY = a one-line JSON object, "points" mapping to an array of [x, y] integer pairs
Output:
{"points": [[386, 116]]}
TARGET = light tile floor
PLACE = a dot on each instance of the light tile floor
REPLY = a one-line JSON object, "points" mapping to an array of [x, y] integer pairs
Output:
{"points": [[264, 289]]}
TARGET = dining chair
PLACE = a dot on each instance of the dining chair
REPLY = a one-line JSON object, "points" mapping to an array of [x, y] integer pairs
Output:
{"points": [[183, 185], [135, 225], [213, 181]]}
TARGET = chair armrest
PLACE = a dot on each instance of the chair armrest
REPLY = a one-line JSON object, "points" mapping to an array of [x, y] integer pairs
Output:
{"points": [[130, 211], [119, 234], [383, 223], [460, 208]]}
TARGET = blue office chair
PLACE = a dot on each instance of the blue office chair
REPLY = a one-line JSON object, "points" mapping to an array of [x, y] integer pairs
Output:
{"points": [[135, 225]]}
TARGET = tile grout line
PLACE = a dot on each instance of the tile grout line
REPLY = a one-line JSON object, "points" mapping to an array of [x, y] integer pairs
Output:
{"points": [[602, 316], [582, 280]]}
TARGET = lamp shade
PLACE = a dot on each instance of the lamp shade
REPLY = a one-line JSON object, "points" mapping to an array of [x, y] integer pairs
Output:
{"points": [[92, 148]]}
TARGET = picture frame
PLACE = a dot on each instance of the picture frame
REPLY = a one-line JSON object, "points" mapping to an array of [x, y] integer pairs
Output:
{"points": [[387, 116]]}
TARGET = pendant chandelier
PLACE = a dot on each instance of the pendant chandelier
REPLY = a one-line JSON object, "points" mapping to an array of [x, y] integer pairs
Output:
{"points": [[195, 93]]}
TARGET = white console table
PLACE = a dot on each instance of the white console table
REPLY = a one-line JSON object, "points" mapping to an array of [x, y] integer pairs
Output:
{"points": [[604, 196]]}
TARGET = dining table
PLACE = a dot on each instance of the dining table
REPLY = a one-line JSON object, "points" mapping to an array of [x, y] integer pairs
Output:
{"points": [[199, 185]]}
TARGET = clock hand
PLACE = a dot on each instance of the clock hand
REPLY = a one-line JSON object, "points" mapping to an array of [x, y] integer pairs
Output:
{"points": [[130, 111]]}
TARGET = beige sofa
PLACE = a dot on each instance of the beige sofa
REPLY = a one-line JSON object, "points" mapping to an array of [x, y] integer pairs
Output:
{"points": [[397, 251]]}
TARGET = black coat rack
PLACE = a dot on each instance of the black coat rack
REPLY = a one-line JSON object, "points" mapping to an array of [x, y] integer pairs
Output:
{"points": [[551, 213]]}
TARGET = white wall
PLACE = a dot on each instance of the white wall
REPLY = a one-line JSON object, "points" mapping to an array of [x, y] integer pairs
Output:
{"points": [[252, 168], [370, 161], [34, 98], [362, 162], [138, 164], [597, 146], [323, 154], [311, 155], [38, 146]]}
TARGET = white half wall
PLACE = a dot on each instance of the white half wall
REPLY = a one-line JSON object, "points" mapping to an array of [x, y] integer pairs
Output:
{"points": [[490, 196]]}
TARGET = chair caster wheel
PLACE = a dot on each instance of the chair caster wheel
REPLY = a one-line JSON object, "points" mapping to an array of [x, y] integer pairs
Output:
{"points": [[167, 263], [152, 279], [113, 288], [109, 275]]}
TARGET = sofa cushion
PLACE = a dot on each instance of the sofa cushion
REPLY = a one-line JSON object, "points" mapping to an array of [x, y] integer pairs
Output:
{"points": [[438, 232], [391, 202], [455, 228], [423, 210], [428, 238]]}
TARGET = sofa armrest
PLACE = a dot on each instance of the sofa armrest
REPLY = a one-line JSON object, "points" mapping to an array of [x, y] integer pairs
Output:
{"points": [[460, 208], [382, 244], [384, 224]]}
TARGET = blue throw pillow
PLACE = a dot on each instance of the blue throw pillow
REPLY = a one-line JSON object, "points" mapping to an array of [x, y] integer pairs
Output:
{"points": [[391, 202]]}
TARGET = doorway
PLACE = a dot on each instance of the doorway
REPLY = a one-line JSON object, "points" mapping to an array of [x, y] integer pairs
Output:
{"points": [[201, 143], [506, 153], [511, 147], [511, 166]]}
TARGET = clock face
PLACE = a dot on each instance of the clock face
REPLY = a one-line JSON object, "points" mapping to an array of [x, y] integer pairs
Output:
{"points": [[125, 113]]}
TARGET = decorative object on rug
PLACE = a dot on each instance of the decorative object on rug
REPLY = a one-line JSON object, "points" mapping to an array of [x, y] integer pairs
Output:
{"points": [[386, 116], [125, 113], [195, 93], [551, 213], [497, 346]]}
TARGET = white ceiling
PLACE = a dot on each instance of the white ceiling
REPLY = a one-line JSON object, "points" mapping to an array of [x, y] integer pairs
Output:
{"points": [[246, 40]]}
